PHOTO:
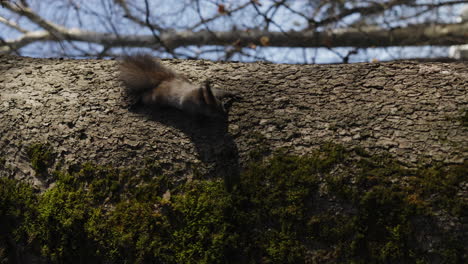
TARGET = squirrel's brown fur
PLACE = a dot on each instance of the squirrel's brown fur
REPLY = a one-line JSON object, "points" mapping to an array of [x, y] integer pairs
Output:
{"points": [[157, 85]]}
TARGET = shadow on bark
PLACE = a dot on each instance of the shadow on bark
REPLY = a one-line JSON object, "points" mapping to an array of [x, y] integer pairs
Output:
{"points": [[214, 145]]}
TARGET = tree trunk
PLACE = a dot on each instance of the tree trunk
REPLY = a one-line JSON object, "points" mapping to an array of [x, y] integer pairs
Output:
{"points": [[414, 111]]}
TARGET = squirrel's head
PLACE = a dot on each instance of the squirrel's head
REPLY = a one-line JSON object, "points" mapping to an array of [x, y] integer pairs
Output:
{"points": [[213, 107]]}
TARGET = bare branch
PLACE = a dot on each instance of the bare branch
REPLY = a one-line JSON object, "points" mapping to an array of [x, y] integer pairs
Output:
{"points": [[415, 35], [12, 24], [154, 29], [132, 17], [432, 6], [26, 39], [266, 26], [228, 12], [31, 15], [375, 8]]}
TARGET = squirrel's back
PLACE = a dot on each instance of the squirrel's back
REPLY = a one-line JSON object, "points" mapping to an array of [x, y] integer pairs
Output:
{"points": [[157, 85]]}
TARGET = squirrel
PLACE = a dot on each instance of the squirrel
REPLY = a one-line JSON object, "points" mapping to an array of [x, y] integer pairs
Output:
{"points": [[155, 85]]}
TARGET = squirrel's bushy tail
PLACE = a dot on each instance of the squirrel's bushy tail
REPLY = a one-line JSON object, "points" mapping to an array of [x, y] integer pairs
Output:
{"points": [[141, 72]]}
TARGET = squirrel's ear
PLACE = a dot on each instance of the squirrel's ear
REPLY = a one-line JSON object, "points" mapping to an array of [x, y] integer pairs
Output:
{"points": [[208, 94]]}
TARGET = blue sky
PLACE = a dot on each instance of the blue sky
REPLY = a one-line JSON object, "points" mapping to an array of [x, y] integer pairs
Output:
{"points": [[98, 15]]}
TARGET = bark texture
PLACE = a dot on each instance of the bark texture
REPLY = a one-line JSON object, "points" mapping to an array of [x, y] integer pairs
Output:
{"points": [[412, 110]]}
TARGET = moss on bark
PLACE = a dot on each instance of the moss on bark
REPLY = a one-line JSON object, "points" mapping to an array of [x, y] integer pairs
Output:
{"points": [[335, 205]]}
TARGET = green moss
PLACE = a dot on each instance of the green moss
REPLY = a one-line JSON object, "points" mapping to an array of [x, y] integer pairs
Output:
{"points": [[335, 205], [41, 157], [383, 225], [202, 228], [442, 185], [330, 228], [63, 212], [18, 208], [261, 147], [271, 206], [388, 198], [133, 232]]}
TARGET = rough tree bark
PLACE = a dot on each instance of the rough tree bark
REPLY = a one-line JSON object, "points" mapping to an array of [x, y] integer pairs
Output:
{"points": [[411, 110]]}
